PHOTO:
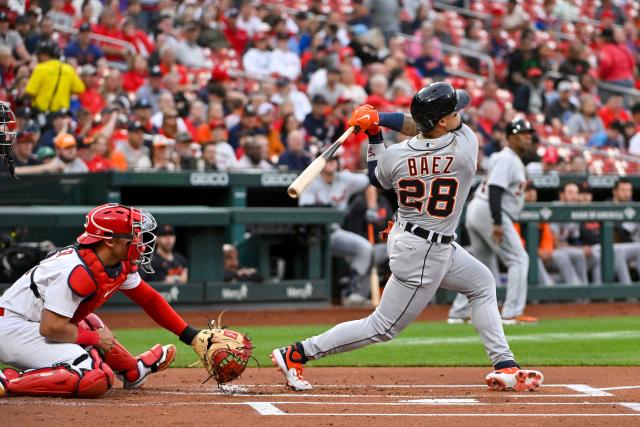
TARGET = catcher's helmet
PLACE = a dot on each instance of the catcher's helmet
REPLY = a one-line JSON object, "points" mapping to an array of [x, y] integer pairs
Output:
{"points": [[114, 220], [435, 101], [519, 126], [7, 136]]}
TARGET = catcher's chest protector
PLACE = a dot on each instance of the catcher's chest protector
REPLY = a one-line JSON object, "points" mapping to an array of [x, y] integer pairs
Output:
{"points": [[94, 284]]}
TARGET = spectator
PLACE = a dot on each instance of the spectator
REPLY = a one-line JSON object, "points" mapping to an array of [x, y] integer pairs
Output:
{"points": [[67, 151], [187, 160], [215, 134], [168, 266], [295, 158], [23, 147], [266, 117], [611, 137], [515, 17], [58, 14], [12, 39], [352, 90], [60, 123], [91, 99], [378, 85], [82, 50], [109, 27], [52, 82], [287, 92], [258, 58], [315, 124], [529, 95], [137, 75], [248, 21], [626, 234], [386, 16], [209, 154], [586, 122], [575, 63], [142, 44], [99, 154], [609, 10], [132, 154], [152, 89], [284, 62], [331, 88], [616, 64], [189, 52], [560, 111], [112, 91], [44, 33], [233, 272], [237, 37], [613, 110], [254, 154], [162, 154], [142, 112], [428, 64]]}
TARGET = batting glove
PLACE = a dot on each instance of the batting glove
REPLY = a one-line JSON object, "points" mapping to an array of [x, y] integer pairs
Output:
{"points": [[364, 117]]}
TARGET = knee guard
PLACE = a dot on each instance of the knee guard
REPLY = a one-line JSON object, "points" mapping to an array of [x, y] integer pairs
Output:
{"points": [[119, 359], [62, 380]]}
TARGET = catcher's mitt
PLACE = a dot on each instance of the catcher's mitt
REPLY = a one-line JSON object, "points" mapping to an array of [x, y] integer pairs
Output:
{"points": [[223, 352]]}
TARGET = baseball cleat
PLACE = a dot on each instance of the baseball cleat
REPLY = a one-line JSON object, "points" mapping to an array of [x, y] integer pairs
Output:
{"points": [[458, 320], [288, 359], [520, 320], [514, 379], [3, 390], [157, 359]]}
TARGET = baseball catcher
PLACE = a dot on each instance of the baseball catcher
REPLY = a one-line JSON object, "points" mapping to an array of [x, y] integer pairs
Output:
{"points": [[59, 347]]}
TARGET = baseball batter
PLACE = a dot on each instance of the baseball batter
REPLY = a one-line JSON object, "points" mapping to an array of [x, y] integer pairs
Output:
{"points": [[47, 326], [498, 200], [431, 175]]}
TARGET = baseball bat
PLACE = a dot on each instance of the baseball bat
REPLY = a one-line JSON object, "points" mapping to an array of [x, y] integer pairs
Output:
{"points": [[374, 280], [301, 183]]}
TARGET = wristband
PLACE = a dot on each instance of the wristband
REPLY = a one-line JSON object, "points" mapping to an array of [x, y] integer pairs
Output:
{"points": [[87, 337], [376, 138], [188, 334]]}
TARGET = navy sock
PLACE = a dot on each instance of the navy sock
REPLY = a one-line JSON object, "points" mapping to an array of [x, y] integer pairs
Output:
{"points": [[506, 364]]}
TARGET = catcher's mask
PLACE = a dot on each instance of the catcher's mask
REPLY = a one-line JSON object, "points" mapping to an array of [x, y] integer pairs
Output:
{"points": [[7, 136], [114, 220]]}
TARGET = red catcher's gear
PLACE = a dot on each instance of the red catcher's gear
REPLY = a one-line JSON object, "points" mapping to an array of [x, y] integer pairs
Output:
{"points": [[104, 285], [61, 380], [114, 220]]}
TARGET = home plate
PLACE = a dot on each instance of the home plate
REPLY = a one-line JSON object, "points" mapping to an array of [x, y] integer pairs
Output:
{"points": [[442, 401]]}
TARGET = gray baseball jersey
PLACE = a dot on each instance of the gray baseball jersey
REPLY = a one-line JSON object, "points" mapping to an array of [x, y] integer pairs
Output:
{"points": [[506, 171], [337, 194], [432, 178]]}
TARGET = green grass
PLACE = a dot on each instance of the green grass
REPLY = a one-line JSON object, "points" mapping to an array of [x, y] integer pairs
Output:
{"points": [[594, 341]]}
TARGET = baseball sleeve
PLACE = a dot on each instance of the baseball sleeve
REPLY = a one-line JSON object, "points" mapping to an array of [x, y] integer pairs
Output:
{"points": [[57, 295], [500, 174]]}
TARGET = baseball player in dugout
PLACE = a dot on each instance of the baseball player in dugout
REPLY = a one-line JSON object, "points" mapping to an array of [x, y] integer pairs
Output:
{"points": [[499, 199], [431, 174], [48, 330]]}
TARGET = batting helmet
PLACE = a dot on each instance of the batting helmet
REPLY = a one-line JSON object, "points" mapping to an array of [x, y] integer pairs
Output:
{"points": [[435, 101], [519, 126], [114, 220]]}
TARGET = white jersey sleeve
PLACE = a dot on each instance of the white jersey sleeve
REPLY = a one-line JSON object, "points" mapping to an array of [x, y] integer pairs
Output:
{"points": [[501, 174], [132, 281]]}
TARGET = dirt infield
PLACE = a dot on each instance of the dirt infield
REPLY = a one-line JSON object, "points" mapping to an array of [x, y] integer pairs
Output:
{"points": [[336, 314], [575, 396]]}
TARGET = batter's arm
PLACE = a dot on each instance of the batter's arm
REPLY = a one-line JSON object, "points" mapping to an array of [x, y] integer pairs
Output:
{"points": [[399, 122], [375, 149]]}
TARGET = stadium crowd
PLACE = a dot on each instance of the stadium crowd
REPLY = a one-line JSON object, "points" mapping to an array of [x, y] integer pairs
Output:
{"points": [[235, 85]]}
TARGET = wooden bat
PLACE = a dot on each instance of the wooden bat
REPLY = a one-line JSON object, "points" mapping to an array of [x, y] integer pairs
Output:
{"points": [[301, 183], [374, 280]]}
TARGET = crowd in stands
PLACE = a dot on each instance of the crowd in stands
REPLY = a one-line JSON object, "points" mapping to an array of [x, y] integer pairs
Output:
{"points": [[266, 84]]}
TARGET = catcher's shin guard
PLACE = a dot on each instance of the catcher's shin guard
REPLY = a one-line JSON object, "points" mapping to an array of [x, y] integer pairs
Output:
{"points": [[60, 380]]}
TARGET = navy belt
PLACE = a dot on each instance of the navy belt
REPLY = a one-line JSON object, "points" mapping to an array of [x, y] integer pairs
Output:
{"points": [[428, 235]]}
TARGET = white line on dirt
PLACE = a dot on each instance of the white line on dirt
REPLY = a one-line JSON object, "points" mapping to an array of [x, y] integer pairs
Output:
{"points": [[588, 390], [387, 385], [303, 395], [518, 415], [623, 387]]}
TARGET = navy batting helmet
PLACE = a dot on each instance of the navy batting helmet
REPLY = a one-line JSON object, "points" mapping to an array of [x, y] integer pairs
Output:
{"points": [[435, 101], [519, 126]]}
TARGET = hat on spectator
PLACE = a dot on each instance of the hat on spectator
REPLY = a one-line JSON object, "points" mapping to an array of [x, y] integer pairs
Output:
{"points": [[141, 103], [88, 70], [534, 72], [44, 153], [85, 27], [136, 126], [232, 13], [22, 19], [564, 86], [65, 140], [162, 141], [31, 127], [264, 108], [282, 82], [584, 187], [184, 137], [259, 36], [4, 17], [49, 48], [191, 25], [359, 29], [319, 99], [551, 156], [249, 111], [346, 51], [155, 71], [165, 230]]}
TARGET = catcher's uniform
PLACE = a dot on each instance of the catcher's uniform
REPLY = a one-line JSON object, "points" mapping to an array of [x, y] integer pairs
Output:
{"points": [[431, 178], [50, 285]]}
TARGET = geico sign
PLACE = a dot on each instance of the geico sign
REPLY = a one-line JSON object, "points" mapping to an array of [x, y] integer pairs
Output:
{"points": [[214, 179], [277, 179]]}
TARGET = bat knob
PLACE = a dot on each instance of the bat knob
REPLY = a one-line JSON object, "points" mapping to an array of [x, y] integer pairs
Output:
{"points": [[292, 193]]}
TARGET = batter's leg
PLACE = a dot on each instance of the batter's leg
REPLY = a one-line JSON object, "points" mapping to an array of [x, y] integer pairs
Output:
{"points": [[471, 278]]}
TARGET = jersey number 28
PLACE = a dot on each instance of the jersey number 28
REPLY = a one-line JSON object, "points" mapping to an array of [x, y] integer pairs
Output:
{"points": [[441, 200]]}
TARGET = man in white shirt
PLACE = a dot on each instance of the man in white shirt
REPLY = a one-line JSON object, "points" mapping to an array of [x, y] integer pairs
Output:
{"points": [[283, 61], [253, 158], [258, 58]]}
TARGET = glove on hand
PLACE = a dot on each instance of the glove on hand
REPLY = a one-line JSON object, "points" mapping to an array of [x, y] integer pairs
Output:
{"points": [[364, 117]]}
